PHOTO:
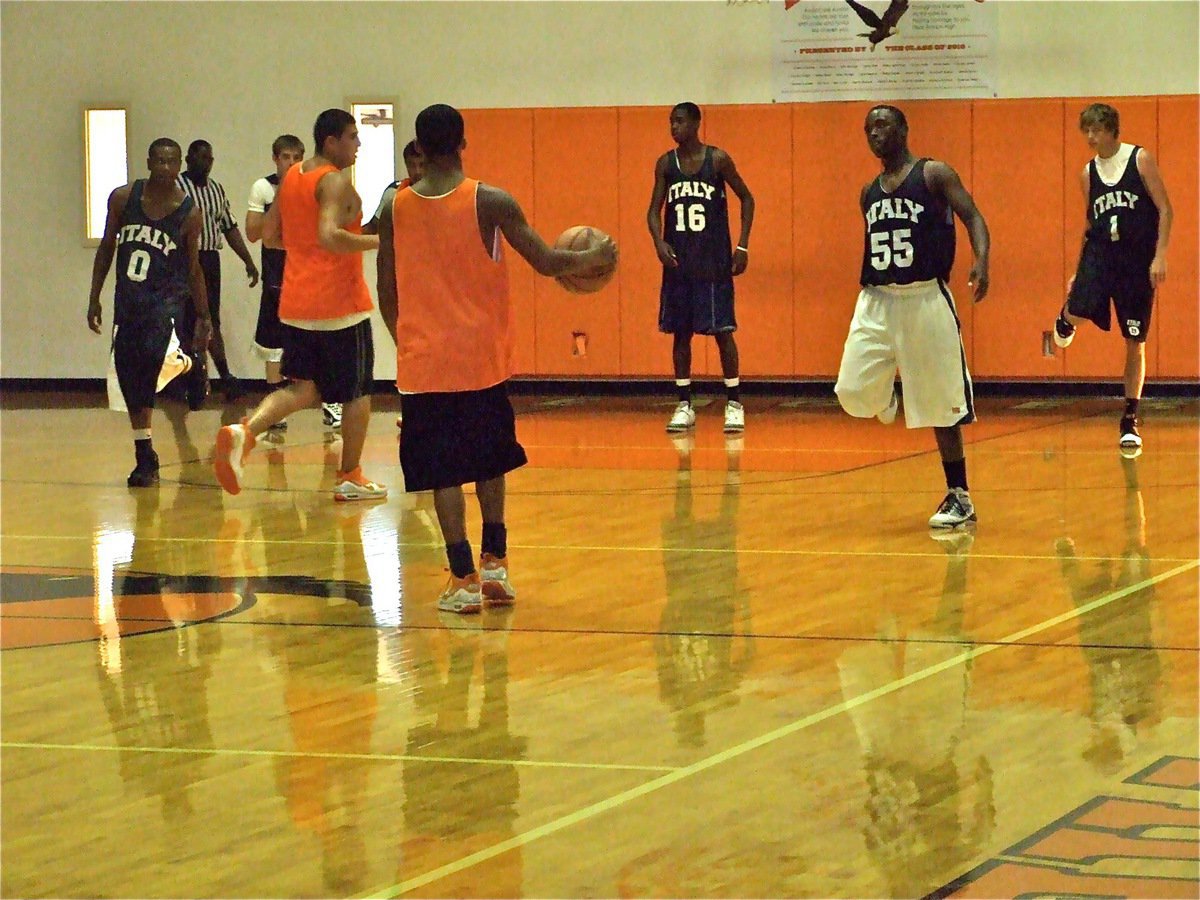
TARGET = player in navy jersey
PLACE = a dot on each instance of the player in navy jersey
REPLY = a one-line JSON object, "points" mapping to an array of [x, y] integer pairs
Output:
{"points": [[1124, 254], [153, 230], [692, 242], [905, 317]]}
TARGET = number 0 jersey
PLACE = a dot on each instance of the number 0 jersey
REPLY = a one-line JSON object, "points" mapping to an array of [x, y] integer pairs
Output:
{"points": [[152, 260], [910, 233], [696, 223]]}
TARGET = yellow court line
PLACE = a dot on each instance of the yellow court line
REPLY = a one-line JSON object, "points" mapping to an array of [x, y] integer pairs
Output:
{"points": [[586, 548], [611, 803], [374, 757]]}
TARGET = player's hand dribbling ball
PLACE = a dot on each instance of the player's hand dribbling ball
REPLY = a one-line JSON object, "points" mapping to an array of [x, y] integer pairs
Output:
{"points": [[584, 237]]}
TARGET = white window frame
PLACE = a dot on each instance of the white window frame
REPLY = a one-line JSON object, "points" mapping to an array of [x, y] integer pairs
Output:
{"points": [[367, 175], [102, 173]]}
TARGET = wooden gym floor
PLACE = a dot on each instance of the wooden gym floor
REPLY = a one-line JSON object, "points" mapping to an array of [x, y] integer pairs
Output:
{"points": [[735, 668]]}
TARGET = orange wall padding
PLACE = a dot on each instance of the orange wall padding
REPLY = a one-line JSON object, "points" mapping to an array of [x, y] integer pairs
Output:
{"points": [[806, 164]]}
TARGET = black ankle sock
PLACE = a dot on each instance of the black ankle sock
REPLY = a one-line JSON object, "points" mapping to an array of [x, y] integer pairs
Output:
{"points": [[734, 394], [1131, 407], [956, 473], [143, 449], [461, 562], [495, 539], [685, 394]]}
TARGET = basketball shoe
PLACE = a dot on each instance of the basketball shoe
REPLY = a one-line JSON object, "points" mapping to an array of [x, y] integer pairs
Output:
{"points": [[462, 595], [1131, 438], [683, 418], [331, 415], [234, 443], [145, 472], [956, 509], [355, 486], [735, 417], [493, 576], [175, 364], [1064, 331]]}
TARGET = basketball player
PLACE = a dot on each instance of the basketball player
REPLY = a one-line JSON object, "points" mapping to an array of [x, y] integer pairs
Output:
{"points": [[218, 221], [905, 317], [328, 354], [1124, 254], [698, 267], [441, 255], [414, 166], [153, 229]]}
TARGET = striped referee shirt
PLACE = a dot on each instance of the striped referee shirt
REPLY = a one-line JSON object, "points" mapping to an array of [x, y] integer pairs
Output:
{"points": [[214, 208]]}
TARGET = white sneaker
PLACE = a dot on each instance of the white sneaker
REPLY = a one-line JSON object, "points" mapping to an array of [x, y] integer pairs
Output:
{"points": [[956, 509], [735, 417], [493, 579], [356, 486], [462, 595], [331, 415], [683, 418], [888, 416]]}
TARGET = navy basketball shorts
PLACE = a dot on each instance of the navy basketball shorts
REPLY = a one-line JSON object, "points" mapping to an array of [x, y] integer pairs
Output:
{"points": [[138, 350], [688, 306], [340, 363], [1103, 275], [458, 437]]}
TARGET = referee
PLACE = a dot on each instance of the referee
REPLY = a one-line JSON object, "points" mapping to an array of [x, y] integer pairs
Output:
{"points": [[218, 221]]}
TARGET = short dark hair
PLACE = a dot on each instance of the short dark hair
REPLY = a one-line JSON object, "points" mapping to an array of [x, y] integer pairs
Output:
{"points": [[896, 112], [162, 142], [411, 150], [330, 124], [286, 142], [197, 144], [689, 109], [1103, 115], [439, 130]]}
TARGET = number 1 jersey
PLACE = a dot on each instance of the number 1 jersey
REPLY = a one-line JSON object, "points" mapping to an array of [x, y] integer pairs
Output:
{"points": [[696, 223], [910, 233]]}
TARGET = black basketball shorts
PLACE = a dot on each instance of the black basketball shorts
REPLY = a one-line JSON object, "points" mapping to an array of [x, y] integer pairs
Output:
{"points": [[340, 363], [138, 350], [458, 437], [1105, 275]]}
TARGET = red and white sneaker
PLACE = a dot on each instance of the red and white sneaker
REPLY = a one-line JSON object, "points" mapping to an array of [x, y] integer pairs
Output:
{"points": [[234, 443], [462, 595], [493, 577], [356, 486]]}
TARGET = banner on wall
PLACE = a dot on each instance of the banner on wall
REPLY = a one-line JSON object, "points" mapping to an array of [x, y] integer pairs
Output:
{"points": [[882, 49]]}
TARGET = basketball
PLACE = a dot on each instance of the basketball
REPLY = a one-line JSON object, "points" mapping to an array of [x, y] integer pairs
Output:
{"points": [[583, 237]]}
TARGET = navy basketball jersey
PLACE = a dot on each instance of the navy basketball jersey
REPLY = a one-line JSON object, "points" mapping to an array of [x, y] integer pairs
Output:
{"points": [[910, 232], [273, 258], [696, 222], [152, 261], [1123, 215]]}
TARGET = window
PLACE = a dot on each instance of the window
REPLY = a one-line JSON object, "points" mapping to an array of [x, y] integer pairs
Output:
{"points": [[106, 165], [375, 167]]}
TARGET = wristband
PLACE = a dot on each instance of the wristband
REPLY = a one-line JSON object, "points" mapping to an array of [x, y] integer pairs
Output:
{"points": [[745, 250]]}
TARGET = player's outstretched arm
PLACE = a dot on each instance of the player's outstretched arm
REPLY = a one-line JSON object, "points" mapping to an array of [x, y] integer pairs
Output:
{"points": [[654, 215], [104, 254], [944, 182], [1148, 169], [500, 210], [725, 165], [385, 264]]}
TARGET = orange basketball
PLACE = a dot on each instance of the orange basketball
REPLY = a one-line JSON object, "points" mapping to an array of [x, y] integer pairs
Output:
{"points": [[583, 237]]}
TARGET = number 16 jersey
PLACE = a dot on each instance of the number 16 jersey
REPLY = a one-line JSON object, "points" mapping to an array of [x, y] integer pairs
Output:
{"points": [[696, 224], [910, 233]]}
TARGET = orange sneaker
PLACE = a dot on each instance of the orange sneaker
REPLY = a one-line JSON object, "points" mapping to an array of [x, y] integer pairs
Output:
{"points": [[493, 576], [234, 443], [462, 595], [355, 486]]}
